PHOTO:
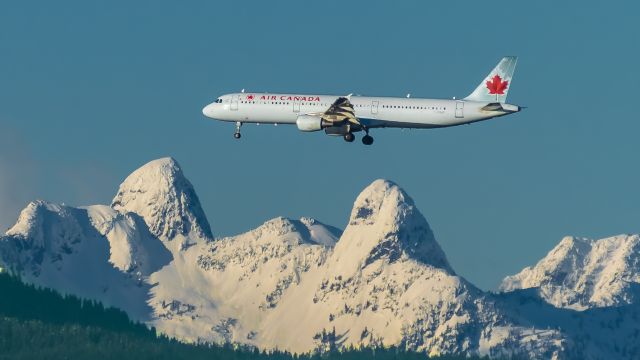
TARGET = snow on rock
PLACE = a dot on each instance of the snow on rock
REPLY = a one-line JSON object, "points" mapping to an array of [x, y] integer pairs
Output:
{"points": [[284, 285], [581, 273], [320, 233], [385, 223], [222, 291], [166, 200], [31, 236], [133, 248], [58, 246], [387, 282]]}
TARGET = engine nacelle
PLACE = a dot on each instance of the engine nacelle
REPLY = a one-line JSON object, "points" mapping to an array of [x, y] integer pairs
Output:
{"points": [[311, 123]]}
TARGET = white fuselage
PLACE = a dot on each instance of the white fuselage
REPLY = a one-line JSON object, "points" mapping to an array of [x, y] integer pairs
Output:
{"points": [[372, 112]]}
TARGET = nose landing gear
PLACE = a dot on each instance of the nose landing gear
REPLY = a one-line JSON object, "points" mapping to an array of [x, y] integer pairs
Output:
{"points": [[367, 139], [237, 134]]}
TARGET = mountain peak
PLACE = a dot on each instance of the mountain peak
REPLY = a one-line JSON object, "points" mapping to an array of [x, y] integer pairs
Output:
{"points": [[30, 220], [367, 206], [385, 224], [582, 273], [161, 194]]}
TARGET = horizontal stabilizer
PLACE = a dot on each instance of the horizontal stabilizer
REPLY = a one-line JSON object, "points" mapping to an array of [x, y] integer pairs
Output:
{"points": [[501, 107]]}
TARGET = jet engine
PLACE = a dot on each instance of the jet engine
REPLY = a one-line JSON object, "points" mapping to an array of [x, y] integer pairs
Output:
{"points": [[311, 123]]}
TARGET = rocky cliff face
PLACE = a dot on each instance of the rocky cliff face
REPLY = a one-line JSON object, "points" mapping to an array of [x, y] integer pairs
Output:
{"points": [[302, 285], [161, 194]]}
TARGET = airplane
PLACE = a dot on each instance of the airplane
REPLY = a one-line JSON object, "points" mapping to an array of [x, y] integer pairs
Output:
{"points": [[345, 115]]}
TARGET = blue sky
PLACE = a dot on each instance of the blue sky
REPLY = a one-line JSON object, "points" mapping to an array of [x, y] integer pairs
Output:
{"points": [[89, 91]]}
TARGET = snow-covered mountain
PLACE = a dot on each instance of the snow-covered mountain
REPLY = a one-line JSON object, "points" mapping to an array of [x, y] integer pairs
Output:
{"points": [[384, 281], [290, 284], [92, 252], [582, 273], [161, 194]]}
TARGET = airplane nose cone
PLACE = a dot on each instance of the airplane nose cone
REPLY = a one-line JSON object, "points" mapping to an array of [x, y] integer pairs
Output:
{"points": [[208, 110]]}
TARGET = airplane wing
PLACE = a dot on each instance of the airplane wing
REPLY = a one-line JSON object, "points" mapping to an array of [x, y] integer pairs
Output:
{"points": [[340, 111]]}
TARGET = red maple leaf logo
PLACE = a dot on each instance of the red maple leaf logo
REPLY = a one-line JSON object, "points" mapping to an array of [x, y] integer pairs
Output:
{"points": [[497, 86], [250, 97]]}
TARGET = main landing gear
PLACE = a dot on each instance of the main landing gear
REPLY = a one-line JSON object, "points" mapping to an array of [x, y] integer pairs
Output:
{"points": [[237, 134], [367, 139], [349, 137]]}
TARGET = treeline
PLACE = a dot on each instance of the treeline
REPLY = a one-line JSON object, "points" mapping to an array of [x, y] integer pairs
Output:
{"points": [[27, 302], [41, 324]]}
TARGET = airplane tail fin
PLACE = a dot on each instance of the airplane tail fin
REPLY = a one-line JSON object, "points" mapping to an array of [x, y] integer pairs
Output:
{"points": [[495, 86]]}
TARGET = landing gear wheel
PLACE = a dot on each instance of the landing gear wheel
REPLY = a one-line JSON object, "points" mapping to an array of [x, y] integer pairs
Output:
{"points": [[349, 137], [237, 133], [367, 140]]}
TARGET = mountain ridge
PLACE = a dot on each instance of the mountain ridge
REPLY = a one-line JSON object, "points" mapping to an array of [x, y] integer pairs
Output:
{"points": [[581, 273], [298, 285]]}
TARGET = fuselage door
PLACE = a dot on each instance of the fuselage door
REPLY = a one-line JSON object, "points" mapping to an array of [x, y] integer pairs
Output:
{"points": [[374, 106], [459, 109], [296, 106], [234, 102]]}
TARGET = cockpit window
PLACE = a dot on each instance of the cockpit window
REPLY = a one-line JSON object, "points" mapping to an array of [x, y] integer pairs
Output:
{"points": [[218, 101]]}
